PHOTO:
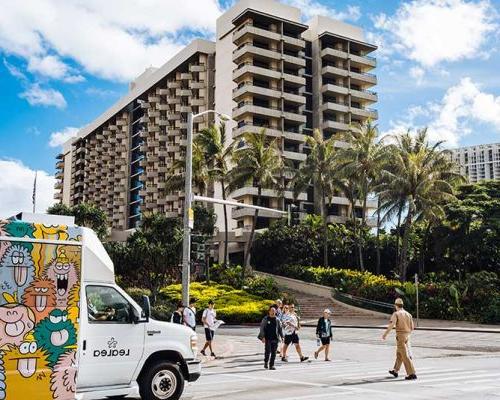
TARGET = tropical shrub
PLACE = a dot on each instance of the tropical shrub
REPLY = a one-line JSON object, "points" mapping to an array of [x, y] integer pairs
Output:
{"points": [[475, 298]]}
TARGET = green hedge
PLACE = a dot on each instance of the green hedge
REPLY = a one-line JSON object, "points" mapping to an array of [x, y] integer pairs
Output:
{"points": [[233, 306], [474, 298]]}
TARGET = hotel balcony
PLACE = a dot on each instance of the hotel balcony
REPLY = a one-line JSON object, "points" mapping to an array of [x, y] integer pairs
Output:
{"points": [[333, 90], [270, 131], [364, 112], [335, 106], [250, 88], [363, 78], [249, 68], [364, 94], [251, 108], [333, 54], [294, 79], [294, 98], [362, 61], [247, 31], [330, 71], [252, 191], [258, 52], [337, 126], [240, 212]]}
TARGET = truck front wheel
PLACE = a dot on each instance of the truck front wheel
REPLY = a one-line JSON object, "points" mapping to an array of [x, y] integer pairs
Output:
{"points": [[164, 381]]}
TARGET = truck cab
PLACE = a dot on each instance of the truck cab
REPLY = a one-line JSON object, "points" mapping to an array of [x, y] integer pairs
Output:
{"points": [[62, 312]]}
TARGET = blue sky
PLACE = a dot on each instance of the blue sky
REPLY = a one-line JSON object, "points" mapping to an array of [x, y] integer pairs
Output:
{"points": [[62, 65]]}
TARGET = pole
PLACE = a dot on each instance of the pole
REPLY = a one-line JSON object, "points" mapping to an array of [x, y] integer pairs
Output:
{"points": [[416, 292], [186, 244]]}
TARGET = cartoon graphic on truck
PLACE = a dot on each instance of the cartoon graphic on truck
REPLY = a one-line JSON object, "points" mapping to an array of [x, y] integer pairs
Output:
{"points": [[67, 331]]}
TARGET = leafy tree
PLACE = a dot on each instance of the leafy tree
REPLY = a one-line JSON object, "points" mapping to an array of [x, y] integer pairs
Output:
{"points": [[319, 170], [86, 214], [151, 256], [257, 163]]}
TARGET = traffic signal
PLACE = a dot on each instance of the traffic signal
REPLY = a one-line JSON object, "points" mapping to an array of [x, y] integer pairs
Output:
{"points": [[293, 215]]}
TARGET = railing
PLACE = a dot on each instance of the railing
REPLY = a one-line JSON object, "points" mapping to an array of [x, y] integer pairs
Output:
{"points": [[258, 66], [361, 302], [251, 103]]}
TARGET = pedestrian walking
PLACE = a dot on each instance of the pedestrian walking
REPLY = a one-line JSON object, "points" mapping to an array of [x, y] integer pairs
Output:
{"points": [[270, 334], [279, 308], [209, 323], [402, 321], [291, 326], [189, 314], [177, 315], [324, 334]]}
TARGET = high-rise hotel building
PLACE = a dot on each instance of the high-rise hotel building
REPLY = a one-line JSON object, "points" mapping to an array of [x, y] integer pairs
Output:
{"points": [[267, 69], [479, 162]]}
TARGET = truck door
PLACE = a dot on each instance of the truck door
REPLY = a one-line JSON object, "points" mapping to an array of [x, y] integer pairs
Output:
{"points": [[112, 344]]}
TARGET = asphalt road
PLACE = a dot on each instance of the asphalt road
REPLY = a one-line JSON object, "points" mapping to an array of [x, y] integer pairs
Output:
{"points": [[449, 365]]}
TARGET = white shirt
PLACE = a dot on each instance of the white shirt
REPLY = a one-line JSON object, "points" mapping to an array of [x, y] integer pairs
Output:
{"points": [[209, 317], [190, 316], [290, 323]]}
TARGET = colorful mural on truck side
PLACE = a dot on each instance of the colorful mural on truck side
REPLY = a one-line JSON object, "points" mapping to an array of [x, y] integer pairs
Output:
{"points": [[39, 311]]}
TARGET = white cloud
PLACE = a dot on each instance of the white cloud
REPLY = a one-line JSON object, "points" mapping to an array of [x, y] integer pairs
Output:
{"points": [[418, 74], [52, 67], [434, 31], [16, 181], [310, 8], [38, 96], [463, 107], [113, 39], [58, 138]]}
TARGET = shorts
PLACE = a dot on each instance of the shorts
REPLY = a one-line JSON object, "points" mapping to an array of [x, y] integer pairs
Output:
{"points": [[293, 338], [325, 340], [209, 334]]}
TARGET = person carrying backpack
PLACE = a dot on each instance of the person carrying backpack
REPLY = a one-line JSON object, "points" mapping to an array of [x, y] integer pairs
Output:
{"points": [[177, 315]]}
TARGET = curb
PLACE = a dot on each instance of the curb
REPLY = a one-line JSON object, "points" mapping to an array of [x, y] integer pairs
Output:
{"points": [[420, 328]]}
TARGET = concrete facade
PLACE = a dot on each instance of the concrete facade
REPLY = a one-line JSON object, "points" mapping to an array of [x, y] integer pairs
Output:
{"points": [[480, 162], [267, 69]]}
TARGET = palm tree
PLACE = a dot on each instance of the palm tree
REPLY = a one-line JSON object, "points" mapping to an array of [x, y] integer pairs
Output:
{"points": [[176, 174], [213, 140], [422, 176], [258, 163], [362, 162], [319, 170]]}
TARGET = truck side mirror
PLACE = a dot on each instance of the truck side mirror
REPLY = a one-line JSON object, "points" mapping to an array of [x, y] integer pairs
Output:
{"points": [[146, 307]]}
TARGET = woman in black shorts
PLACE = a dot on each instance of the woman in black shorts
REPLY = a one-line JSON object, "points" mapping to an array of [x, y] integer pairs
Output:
{"points": [[324, 333]]}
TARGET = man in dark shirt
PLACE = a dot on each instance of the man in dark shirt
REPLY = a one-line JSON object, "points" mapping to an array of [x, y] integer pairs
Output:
{"points": [[270, 334]]}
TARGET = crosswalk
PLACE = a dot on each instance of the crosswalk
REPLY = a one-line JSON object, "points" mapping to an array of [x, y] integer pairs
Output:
{"points": [[243, 377]]}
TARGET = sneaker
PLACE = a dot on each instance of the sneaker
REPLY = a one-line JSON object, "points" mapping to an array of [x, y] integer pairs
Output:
{"points": [[284, 359], [203, 353], [273, 368], [393, 373], [213, 355], [327, 359], [411, 377], [302, 359], [266, 366]]}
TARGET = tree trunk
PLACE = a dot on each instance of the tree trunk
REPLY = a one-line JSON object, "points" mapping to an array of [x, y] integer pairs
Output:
{"points": [[423, 247], [404, 248], [325, 230], [377, 270], [226, 233], [354, 229], [360, 241], [248, 247], [398, 227]]}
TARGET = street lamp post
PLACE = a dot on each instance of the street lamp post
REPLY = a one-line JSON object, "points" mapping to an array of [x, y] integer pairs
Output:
{"points": [[188, 198]]}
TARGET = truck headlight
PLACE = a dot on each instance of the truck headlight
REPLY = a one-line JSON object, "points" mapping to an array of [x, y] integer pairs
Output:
{"points": [[194, 343]]}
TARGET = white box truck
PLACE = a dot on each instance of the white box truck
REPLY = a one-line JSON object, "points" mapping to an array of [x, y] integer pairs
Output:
{"points": [[68, 331]]}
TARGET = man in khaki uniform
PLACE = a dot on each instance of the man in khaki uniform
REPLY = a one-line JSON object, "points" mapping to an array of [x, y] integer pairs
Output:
{"points": [[402, 321]]}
